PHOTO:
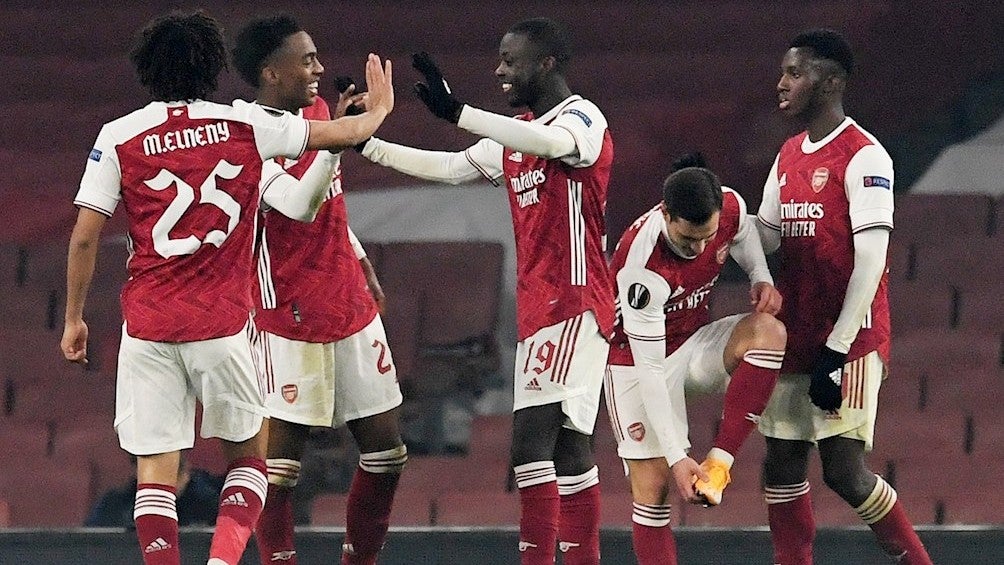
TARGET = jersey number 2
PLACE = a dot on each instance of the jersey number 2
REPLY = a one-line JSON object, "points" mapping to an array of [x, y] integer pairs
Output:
{"points": [[208, 194]]}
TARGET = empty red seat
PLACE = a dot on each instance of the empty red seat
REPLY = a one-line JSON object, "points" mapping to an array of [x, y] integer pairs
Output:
{"points": [[967, 263], [981, 309], [45, 494], [919, 216], [921, 304], [926, 348]]}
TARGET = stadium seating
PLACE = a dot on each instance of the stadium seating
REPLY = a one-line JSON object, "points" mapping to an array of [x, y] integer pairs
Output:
{"points": [[42, 494], [981, 310], [704, 84], [929, 218]]}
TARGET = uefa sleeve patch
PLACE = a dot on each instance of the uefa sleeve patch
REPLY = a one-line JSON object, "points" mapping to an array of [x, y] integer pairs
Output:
{"points": [[580, 114], [638, 296], [95, 155], [879, 182]]}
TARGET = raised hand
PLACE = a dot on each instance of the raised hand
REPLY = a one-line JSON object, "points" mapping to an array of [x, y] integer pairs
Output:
{"points": [[435, 92], [379, 84]]}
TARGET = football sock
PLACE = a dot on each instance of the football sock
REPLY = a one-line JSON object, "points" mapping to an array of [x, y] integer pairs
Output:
{"points": [[792, 525], [241, 501], [886, 517], [371, 497], [579, 527], [274, 534], [540, 509], [746, 397], [651, 534], [156, 515]]}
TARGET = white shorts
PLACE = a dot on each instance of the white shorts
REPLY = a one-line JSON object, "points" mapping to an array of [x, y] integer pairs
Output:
{"points": [[791, 415], [158, 384], [328, 384], [563, 363], [699, 364]]}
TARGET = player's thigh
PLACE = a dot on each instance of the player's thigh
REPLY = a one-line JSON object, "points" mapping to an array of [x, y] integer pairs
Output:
{"points": [[224, 376], [633, 428], [704, 356], [154, 404], [365, 375], [298, 379], [790, 415], [564, 364]]}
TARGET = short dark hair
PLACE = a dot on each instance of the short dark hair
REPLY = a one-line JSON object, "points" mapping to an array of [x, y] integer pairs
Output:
{"points": [[692, 193], [550, 37], [827, 44], [179, 56], [257, 41]]}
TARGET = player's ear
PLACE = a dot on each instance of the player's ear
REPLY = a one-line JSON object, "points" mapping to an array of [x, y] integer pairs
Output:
{"points": [[548, 63], [268, 75]]}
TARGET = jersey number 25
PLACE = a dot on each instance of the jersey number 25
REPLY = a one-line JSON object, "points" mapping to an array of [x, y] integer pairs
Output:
{"points": [[208, 194]]}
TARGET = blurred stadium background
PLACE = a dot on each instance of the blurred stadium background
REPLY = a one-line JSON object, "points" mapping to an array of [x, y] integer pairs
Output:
{"points": [[671, 77]]}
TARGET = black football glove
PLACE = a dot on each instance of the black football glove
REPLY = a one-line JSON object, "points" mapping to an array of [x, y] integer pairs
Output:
{"points": [[434, 92], [342, 83], [827, 374]]}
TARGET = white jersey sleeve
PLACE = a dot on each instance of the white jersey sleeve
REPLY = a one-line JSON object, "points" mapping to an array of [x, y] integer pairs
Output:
{"points": [[769, 215], [868, 182], [101, 186], [770, 205], [299, 198], [746, 248], [641, 295], [276, 133], [439, 166], [357, 245], [588, 126]]}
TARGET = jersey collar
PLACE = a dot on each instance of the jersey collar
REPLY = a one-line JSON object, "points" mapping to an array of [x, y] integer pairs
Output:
{"points": [[813, 146]]}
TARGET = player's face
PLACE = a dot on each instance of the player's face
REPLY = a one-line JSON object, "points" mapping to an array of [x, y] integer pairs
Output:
{"points": [[519, 70], [798, 91], [689, 240], [297, 71]]}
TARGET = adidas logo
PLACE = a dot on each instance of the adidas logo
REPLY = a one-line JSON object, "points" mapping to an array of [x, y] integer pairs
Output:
{"points": [[516, 157], [533, 385], [564, 546], [755, 418], [235, 499], [283, 556], [157, 545], [347, 549], [525, 545]]}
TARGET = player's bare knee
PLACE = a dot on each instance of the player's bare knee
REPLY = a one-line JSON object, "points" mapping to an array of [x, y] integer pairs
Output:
{"points": [[767, 332], [647, 489], [786, 462]]}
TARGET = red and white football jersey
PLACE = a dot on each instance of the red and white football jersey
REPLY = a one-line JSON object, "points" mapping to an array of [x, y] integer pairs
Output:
{"points": [[818, 195], [188, 175], [558, 208], [654, 283], [311, 285]]}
